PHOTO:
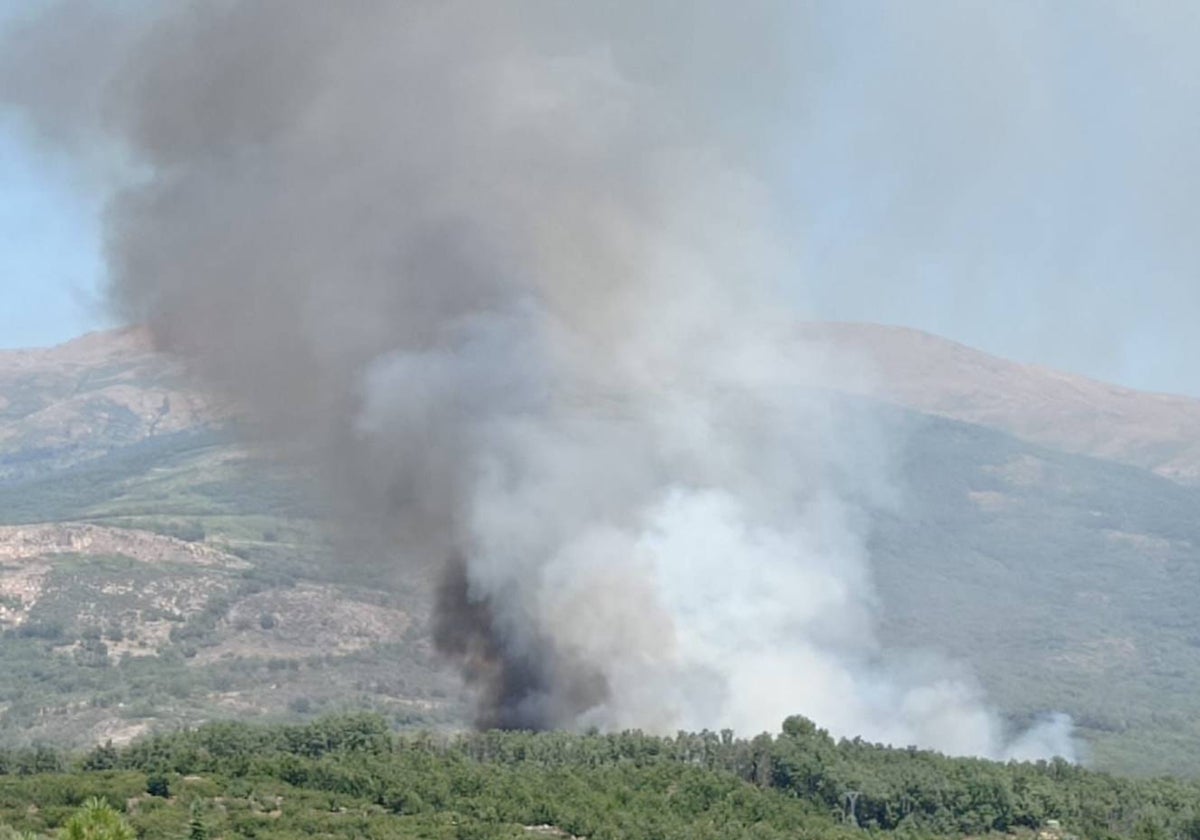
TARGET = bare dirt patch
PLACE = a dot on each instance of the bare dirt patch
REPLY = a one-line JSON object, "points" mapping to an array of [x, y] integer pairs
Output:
{"points": [[21, 542], [304, 621]]}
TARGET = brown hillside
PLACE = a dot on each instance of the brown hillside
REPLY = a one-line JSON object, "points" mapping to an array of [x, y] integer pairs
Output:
{"points": [[1159, 432], [81, 398]]}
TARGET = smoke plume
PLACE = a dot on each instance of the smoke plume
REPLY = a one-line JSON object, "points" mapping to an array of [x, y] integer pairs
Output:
{"points": [[506, 276]]}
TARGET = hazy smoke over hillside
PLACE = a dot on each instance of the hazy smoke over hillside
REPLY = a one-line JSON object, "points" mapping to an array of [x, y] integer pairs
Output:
{"points": [[507, 278]]}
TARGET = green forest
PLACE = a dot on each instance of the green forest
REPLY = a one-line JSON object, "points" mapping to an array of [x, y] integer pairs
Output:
{"points": [[352, 776]]}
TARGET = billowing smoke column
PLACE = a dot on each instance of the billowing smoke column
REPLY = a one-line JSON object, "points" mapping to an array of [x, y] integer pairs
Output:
{"points": [[509, 284]]}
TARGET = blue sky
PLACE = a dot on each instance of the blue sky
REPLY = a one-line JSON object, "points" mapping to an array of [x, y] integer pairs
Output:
{"points": [[50, 260], [51, 267], [1020, 176]]}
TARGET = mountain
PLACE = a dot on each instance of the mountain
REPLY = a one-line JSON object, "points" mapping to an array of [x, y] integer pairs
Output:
{"points": [[923, 372], [1068, 582], [153, 572], [65, 405]]}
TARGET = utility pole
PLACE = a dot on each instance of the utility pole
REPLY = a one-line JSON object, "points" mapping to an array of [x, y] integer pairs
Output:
{"points": [[851, 814]]}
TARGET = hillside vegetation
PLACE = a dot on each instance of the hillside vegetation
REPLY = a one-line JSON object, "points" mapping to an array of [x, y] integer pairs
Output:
{"points": [[351, 777], [1067, 582], [153, 573]]}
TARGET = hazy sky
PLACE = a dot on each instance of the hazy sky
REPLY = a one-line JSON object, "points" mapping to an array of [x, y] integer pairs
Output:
{"points": [[50, 255], [1019, 176]]}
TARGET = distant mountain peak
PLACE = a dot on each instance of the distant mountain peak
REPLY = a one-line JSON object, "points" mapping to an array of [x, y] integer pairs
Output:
{"points": [[934, 375], [78, 400]]}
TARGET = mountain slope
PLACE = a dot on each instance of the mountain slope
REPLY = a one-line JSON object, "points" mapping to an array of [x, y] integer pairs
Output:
{"points": [[154, 573], [1065, 580], [1158, 432], [63, 405]]}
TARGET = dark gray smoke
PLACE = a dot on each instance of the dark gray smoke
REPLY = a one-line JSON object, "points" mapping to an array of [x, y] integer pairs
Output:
{"points": [[505, 275], [518, 689]]}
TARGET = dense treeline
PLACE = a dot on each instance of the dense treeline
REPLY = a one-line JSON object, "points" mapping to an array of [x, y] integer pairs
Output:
{"points": [[351, 776]]}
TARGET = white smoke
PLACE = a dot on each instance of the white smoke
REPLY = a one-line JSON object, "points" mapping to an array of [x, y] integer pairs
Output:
{"points": [[523, 310]]}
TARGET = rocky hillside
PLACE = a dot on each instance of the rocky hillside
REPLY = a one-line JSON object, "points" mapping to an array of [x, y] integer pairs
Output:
{"points": [[154, 573], [64, 405]]}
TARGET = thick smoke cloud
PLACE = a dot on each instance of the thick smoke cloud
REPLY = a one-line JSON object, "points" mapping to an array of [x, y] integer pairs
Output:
{"points": [[509, 280]]}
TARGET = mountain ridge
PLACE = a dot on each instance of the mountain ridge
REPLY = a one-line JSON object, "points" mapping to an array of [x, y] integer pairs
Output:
{"points": [[1075, 413], [74, 401], [904, 366]]}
